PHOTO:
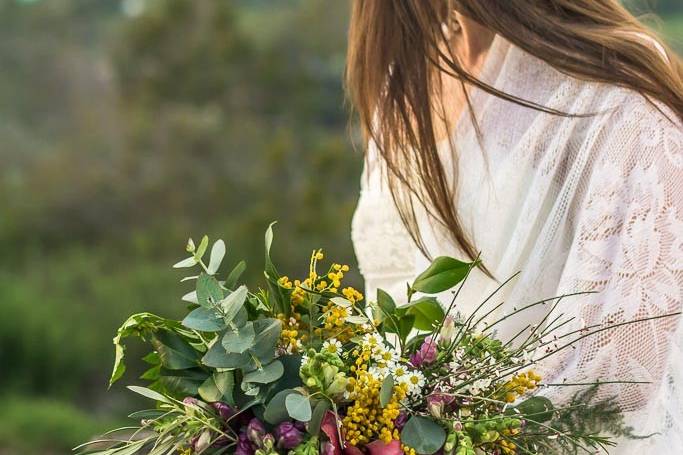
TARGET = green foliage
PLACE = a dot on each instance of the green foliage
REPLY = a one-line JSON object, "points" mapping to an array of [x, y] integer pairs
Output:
{"points": [[442, 274], [122, 134], [423, 434], [39, 426]]}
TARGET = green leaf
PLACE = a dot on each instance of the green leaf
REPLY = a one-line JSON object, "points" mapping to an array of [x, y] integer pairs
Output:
{"points": [[280, 304], [537, 408], [385, 302], [276, 410], [174, 352], [443, 274], [209, 292], [266, 374], [218, 387], [182, 382], [317, 417], [140, 325], [225, 382], [235, 274], [204, 320], [267, 335], [217, 255], [209, 392], [405, 325], [201, 249], [148, 393], [232, 304], [386, 391], [423, 434], [270, 268], [217, 357], [290, 379], [239, 340], [427, 312], [185, 263], [298, 407]]}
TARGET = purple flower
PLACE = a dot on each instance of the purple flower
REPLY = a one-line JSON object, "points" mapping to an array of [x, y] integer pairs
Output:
{"points": [[426, 354], [288, 435], [256, 431], [223, 410], [401, 420], [244, 446]]}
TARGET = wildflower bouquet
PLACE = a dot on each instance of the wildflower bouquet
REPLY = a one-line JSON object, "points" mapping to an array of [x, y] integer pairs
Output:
{"points": [[308, 367]]}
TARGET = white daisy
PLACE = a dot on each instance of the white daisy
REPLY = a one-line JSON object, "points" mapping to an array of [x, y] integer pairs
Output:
{"points": [[373, 341], [379, 372], [416, 381], [333, 346], [386, 355], [399, 371]]}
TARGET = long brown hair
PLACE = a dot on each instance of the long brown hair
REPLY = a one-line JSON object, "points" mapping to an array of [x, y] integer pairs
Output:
{"points": [[396, 47]]}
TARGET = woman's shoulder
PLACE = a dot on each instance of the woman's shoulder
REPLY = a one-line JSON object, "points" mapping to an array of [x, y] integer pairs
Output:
{"points": [[634, 129]]}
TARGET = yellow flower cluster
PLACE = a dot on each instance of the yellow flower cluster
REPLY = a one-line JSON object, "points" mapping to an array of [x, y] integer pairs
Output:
{"points": [[333, 323], [291, 338], [508, 447], [519, 385], [408, 450], [365, 419], [352, 295]]}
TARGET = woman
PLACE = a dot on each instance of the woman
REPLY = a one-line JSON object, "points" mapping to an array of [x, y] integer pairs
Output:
{"points": [[546, 135]]}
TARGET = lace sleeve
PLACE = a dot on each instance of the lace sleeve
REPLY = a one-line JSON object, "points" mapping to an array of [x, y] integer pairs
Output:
{"points": [[627, 245]]}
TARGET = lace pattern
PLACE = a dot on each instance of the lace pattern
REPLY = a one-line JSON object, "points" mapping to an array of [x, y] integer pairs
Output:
{"points": [[577, 204]]}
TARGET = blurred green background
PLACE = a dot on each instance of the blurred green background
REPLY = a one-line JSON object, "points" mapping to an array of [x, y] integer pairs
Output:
{"points": [[125, 127]]}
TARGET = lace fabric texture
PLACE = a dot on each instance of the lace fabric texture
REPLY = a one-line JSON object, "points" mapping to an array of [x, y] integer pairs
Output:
{"points": [[576, 204]]}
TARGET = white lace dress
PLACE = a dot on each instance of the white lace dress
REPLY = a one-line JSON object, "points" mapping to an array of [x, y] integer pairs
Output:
{"points": [[575, 204]]}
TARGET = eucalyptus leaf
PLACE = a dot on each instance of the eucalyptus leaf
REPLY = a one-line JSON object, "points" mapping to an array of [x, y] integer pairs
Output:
{"points": [[386, 391], [240, 339], [204, 320], [232, 304], [276, 410], [266, 374], [201, 249], [190, 297], [423, 434], [216, 257], [218, 357], [185, 263], [442, 274], [235, 274], [209, 292], [267, 335], [298, 407]]}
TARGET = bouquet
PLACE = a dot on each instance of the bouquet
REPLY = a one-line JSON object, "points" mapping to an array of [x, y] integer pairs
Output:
{"points": [[305, 367]]}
